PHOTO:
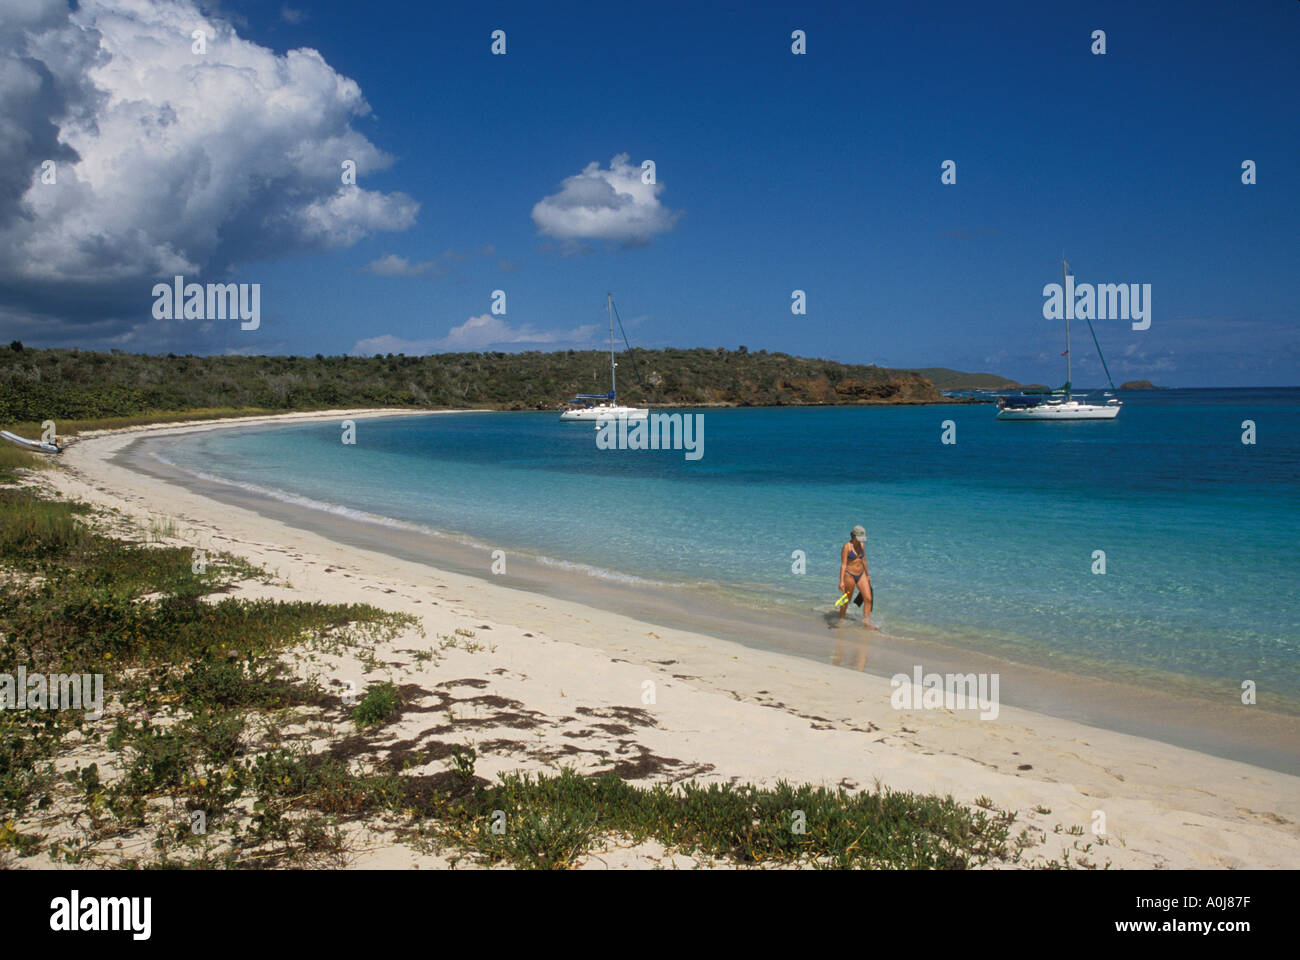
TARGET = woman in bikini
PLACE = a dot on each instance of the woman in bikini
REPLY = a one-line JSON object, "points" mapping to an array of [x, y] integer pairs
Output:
{"points": [[853, 573]]}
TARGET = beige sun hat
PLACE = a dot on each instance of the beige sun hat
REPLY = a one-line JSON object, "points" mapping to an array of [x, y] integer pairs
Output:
{"points": [[860, 533]]}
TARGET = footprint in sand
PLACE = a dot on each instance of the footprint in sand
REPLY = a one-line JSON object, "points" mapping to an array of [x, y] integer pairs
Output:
{"points": [[1268, 816], [1205, 793]]}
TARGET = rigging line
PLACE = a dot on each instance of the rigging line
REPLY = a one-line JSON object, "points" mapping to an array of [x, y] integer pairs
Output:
{"points": [[1100, 354], [631, 355]]}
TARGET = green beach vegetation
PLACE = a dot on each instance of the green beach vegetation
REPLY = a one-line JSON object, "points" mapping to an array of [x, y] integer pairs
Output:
{"points": [[130, 389], [14, 458]]}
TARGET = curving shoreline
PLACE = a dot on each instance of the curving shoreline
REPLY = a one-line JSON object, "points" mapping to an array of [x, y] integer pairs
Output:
{"points": [[745, 711], [1161, 705]]}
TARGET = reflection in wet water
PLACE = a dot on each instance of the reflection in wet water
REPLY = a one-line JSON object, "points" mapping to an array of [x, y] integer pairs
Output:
{"points": [[850, 647]]}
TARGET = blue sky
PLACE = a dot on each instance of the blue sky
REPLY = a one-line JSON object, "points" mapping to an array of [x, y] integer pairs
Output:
{"points": [[776, 172]]}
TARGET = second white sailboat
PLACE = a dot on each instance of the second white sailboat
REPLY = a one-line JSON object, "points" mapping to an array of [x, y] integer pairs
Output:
{"points": [[582, 409]]}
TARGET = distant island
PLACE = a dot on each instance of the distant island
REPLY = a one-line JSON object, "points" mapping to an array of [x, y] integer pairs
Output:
{"points": [[1140, 385]]}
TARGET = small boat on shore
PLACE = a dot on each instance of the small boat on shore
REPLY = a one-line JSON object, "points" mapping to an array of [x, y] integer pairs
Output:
{"points": [[38, 445], [1062, 404], [582, 409]]}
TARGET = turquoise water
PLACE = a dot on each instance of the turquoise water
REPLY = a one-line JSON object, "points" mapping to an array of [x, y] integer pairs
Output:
{"points": [[985, 544]]}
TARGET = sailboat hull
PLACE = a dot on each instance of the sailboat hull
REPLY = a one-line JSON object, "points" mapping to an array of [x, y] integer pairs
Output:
{"points": [[1062, 411], [605, 412]]}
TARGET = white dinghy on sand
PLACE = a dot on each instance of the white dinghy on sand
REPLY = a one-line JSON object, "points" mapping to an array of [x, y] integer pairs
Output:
{"points": [[38, 445]]}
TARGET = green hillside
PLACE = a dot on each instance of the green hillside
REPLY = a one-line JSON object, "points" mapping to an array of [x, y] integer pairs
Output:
{"points": [[77, 384], [945, 379]]}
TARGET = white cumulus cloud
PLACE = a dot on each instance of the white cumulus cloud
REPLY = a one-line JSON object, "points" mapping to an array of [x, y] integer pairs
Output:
{"points": [[605, 204], [392, 265], [167, 161]]}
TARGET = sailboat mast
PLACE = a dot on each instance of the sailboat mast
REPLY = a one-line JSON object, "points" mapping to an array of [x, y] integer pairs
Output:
{"points": [[1065, 272], [609, 307]]}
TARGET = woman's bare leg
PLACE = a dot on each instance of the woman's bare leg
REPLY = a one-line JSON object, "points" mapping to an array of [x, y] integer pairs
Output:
{"points": [[867, 598], [847, 585]]}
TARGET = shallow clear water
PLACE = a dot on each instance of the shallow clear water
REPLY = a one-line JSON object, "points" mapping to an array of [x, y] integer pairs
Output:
{"points": [[987, 543]]}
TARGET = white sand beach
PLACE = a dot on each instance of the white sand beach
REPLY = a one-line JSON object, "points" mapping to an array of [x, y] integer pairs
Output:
{"points": [[548, 683]]}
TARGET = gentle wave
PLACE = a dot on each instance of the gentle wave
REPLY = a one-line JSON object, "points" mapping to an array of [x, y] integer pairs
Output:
{"points": [[364, 516]]}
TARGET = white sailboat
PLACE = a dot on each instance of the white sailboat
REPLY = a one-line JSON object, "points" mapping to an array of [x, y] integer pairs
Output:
{"points": [[609, 407], [1062, 404]]}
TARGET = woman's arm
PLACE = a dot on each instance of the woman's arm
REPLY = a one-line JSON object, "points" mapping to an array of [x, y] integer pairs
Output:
{"points": [[844, 562]]}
